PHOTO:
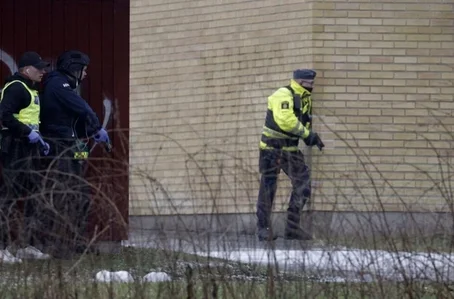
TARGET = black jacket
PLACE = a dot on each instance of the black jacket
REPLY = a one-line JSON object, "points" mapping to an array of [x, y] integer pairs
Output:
{"points": [[62, 110], [16, 98]]}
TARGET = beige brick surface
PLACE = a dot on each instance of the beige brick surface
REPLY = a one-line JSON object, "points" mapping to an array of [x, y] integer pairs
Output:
{"points": [[201, 71], [403, 75], [200, 75]]}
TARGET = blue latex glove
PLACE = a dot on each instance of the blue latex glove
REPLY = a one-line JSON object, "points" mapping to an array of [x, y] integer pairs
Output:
{"points": [[45, 147], [34, 137], [102, 136]]}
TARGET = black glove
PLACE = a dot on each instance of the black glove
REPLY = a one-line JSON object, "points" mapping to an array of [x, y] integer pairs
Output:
{"points": [[311, 139], [314, 139], [320, 144]]}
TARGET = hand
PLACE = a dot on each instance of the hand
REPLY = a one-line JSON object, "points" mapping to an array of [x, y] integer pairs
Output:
{"points": [[45, 147], [320, 144], [314, 139], [102, 136], [311, 139], [34, 137]]}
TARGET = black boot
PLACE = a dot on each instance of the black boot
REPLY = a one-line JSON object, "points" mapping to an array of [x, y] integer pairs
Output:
{"points": [[293, 231], [265, 234], [297, 234]]}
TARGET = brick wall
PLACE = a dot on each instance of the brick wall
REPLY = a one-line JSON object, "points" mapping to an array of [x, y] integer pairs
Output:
{"points": [[201, 72], [386, 95]]}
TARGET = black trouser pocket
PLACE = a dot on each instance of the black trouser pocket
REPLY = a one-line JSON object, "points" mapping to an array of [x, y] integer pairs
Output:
{"points": [[269, 161]]}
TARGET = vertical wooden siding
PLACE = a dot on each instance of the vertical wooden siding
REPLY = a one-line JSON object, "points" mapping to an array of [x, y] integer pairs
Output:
{"points": [[100, 28]]}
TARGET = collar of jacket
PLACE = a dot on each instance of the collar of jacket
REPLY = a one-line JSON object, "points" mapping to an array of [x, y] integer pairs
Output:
{"points": [[30, 83], [69, 78], [298, 88]]}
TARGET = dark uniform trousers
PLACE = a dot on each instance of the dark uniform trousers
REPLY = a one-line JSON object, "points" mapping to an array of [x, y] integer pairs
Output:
{"points": [[21, 181], [70, 199], [293, 164]]}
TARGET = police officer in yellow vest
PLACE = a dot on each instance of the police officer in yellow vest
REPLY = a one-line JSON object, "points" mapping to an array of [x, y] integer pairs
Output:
{"points": [[21, 147], [288, 119]]}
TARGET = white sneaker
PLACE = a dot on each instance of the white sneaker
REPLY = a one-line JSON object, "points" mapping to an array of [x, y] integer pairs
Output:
{"points": [[31, 252], [7, 258]]}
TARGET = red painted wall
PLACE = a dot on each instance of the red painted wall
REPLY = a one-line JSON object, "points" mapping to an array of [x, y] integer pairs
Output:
{"points": [[99, 28]]}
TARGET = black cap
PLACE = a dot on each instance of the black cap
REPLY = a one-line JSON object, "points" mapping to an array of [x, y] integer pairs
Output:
{"points": [[33, 59], [304, 74]]}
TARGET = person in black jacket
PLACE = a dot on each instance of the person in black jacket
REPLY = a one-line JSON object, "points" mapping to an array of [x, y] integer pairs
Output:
{"points": [[64, 112], [21, 144]]}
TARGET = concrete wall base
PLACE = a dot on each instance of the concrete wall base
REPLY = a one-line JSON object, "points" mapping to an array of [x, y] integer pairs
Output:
{"points": [[322, 224]]}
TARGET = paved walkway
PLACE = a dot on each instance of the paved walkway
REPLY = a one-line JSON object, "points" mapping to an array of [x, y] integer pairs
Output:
{"points": [[192, 242], [347, 264]]}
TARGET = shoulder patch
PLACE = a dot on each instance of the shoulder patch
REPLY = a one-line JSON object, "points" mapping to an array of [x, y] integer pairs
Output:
{"points": [[285, 105]]}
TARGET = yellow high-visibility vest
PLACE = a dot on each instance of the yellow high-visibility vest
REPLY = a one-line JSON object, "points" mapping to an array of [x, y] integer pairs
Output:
{"points": [[288, 118], [29, 115]]}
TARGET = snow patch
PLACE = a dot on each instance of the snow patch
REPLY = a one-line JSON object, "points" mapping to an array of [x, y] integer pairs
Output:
{"points": [[125, 276], [117, 276], [391, 265], [156, 277]]}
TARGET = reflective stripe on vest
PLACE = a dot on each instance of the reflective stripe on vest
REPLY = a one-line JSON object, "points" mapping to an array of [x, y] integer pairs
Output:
{"points": [[29, 115]]}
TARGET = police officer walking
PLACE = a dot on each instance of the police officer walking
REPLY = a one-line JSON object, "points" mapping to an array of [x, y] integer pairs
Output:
{"points": [[66, 118], [288, 119], [21, 145]]}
